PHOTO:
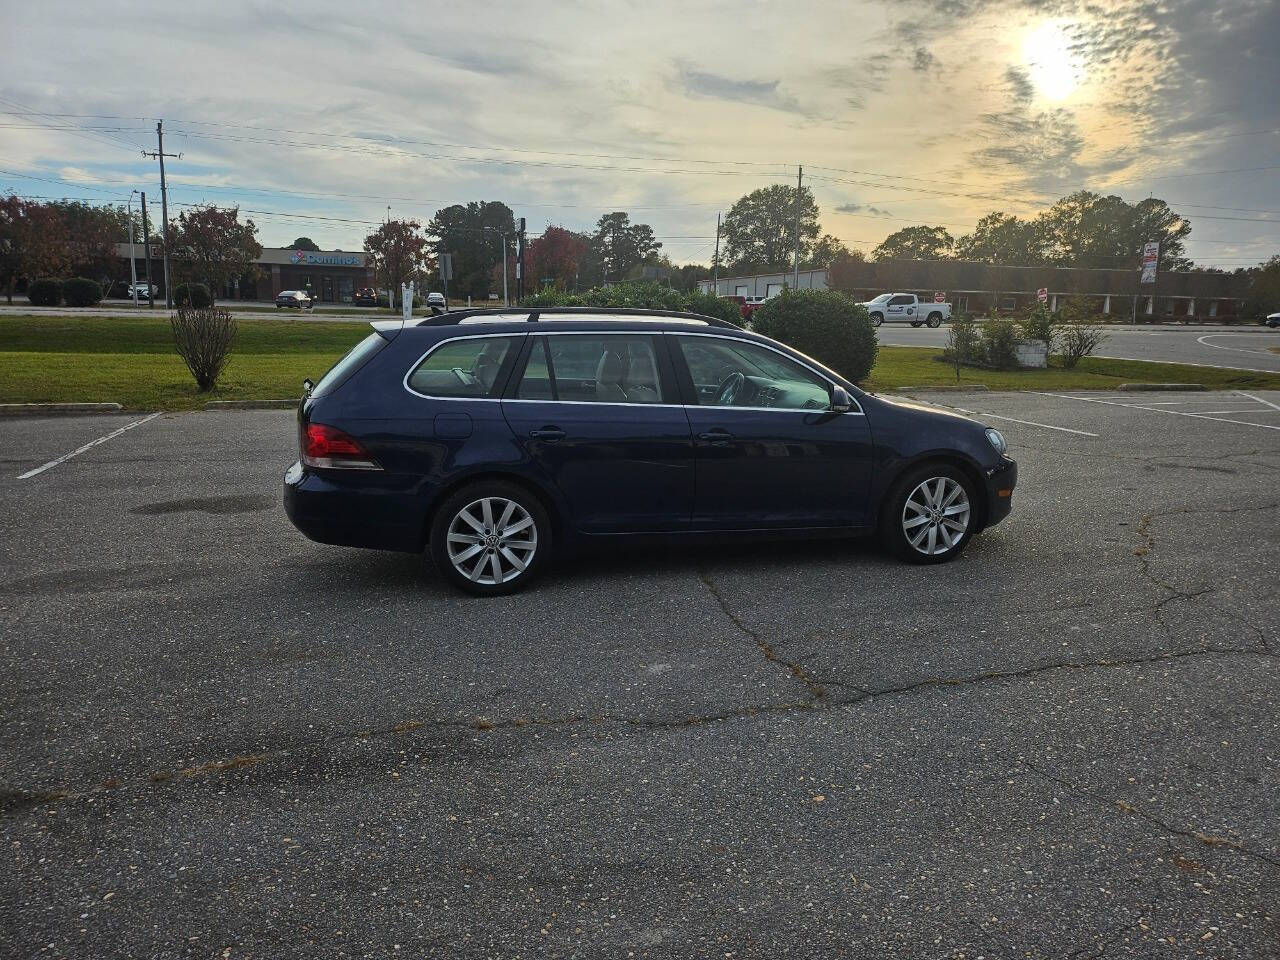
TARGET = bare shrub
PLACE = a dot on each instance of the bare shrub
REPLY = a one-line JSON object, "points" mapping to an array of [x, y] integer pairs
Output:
{"points": [[204, 338], [1079, 339]]}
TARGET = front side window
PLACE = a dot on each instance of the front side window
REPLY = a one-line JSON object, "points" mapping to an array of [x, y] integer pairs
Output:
{"points": [[733, 373], [463, 368], [592, 368]]}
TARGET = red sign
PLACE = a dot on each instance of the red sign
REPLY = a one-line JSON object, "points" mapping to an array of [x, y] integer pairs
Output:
{"points": [[1042, 294], [939, 298]]}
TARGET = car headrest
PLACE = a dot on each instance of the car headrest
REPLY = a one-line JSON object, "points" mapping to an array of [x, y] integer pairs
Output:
{"points": [[610, 368]]}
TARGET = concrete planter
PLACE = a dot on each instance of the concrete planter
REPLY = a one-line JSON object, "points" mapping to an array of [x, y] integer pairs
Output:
{"points": [[1032, 353]]}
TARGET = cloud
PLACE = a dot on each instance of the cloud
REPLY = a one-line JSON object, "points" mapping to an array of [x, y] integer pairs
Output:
{"points": [[714, 86], [862, 208], [1019, 83]]}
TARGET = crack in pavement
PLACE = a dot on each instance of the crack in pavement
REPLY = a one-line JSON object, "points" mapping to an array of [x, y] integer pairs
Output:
{"points": [[18, 800], [816, 689], [1123, 806]]}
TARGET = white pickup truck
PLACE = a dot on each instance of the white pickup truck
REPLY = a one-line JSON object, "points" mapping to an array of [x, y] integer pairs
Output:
{"points": [[906, 308]]}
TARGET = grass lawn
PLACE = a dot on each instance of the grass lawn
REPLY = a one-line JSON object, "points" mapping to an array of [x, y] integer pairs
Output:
{"points": [[131, 361]]}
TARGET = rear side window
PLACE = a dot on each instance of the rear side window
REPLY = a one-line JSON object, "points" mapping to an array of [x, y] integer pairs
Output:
{"points": [[353, 361], [592, 368], [463, 368]]}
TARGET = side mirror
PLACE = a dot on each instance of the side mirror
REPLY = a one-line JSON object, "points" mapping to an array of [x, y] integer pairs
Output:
{"points": [[307, 386], [841, 402]]}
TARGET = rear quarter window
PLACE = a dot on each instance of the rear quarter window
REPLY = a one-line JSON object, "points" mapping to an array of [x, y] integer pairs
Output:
{"points": [[360, 354]]}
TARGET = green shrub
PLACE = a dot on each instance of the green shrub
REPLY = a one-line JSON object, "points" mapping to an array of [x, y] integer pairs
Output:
{"points": [[963, 343], [82, 292], [192, 295], [1037, 323], [999, 344], [826, 325], [45, 292], [710, 305]]}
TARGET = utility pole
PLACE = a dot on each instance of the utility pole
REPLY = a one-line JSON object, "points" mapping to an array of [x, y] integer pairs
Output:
{"points": [[133, 256], [520, 259], [159, 154], [506, 297], [795, 282], [715, 262], [146, 246]]}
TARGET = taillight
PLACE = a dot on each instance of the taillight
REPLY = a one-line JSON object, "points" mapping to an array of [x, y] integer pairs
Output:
{"points": [[326, 446]]}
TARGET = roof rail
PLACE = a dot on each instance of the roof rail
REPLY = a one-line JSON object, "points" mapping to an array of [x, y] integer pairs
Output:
{"points": [[556, 313]]}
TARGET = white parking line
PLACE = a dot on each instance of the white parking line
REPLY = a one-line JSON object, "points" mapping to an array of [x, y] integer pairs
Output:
{"points": [[1029, 423], [1273, 406], [1175, 413], [79, 450], [1204, 341]]}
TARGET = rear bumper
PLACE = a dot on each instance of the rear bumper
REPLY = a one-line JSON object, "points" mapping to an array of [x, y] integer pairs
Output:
{"points": [[353, 511], [1000, 483]]}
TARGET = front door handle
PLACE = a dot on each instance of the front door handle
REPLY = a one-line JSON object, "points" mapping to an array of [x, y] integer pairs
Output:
{"points": [[549, 434], [717, 438]]}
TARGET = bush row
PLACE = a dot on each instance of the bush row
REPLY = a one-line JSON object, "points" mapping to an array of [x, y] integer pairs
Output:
{"points": [[78, 292]]}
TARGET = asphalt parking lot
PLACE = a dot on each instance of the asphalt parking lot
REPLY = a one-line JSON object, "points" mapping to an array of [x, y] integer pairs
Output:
{"points": [[222, 740]]}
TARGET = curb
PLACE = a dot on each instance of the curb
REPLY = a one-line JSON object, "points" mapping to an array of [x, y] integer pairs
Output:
{"points": [[250, 404], [1162, 386], [45, 409], [945, 388]]}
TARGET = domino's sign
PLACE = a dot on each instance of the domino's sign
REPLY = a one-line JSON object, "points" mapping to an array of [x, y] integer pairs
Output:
{"points": [[309, 258]]}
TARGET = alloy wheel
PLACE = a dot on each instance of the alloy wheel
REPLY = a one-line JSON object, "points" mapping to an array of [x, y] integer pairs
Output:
{"points": [[936, 516], [492, 540]]}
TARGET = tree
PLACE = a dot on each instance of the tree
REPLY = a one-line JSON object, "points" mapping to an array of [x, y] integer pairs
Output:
{"points": [[826, 251], [686, 277], [554, 257], [305, 243], [472, 233], [398, 252], [621, 244], [759, 231], [10, 242], [210, 245], [1086, 229], [1002, 239], [916, 243], [33, 242], [1264, 292], [91, 234]]}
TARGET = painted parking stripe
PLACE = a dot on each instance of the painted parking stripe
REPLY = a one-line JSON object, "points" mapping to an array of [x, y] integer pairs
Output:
{"points": [[1273, 406], [1028, 423], [88, 446], [1176, 413]]}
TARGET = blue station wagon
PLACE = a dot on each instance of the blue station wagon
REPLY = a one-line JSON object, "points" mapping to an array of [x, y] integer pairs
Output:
{"points": [[491, 438]]}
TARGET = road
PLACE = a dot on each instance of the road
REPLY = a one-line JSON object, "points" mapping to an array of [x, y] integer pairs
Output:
{"points": [[222, 740], [1241, 347]]}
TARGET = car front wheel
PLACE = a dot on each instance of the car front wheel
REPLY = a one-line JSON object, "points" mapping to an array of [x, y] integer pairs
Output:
{"points": [[490, 538], [877, 319], [929, 515]]}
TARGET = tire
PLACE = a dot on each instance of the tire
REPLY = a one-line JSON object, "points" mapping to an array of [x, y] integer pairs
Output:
{"points": [[877, 319], [277, 306], [930, 541], [935, 320], [453, 558], [915, 323]]}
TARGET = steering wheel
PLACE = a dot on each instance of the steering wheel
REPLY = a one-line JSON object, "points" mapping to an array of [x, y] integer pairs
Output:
{"points": [[730, 387]]}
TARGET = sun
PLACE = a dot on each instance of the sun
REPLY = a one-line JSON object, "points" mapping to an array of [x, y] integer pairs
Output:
{"points": [[1052, 65]]}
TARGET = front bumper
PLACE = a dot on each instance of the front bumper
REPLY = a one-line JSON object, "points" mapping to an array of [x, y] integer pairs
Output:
{"points": [[1000, 482], [353, 509]]}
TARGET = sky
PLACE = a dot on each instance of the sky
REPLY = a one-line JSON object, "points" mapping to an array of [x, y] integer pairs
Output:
{"points": [[317, 117]]}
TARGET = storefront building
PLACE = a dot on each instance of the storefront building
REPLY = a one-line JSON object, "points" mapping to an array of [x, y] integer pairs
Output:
{"points": [[330, 276]]}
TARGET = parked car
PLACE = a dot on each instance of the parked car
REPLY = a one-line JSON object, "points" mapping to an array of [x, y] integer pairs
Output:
{"points": [[437, 300], [493, 442], [293, 298], [906, 308], [366, 297], [745, 306], [143, 290], [1273, 320]]}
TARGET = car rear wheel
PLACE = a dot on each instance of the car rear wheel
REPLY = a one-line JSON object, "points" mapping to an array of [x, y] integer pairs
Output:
{"points": [[490, 538], [935, 320], [929, 515]]}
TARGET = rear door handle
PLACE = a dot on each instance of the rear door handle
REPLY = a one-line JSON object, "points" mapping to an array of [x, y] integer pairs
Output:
{"points": [[549, 434], [717, 438]]}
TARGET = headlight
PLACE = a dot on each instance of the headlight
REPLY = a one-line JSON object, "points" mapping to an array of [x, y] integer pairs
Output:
{"points": [[997, 440]]}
